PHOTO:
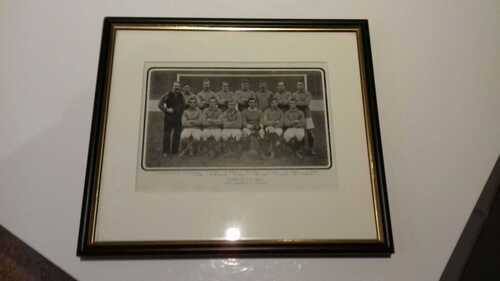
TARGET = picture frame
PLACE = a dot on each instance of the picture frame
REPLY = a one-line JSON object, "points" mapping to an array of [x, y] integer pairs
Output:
{"points": [[313, 188]]}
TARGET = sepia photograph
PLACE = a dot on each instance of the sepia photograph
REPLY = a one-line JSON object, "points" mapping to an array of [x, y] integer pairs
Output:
{"points": [[235, 118]]}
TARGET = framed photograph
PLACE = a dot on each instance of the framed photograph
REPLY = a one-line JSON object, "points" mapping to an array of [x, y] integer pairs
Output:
{"points": [[234, 138]]}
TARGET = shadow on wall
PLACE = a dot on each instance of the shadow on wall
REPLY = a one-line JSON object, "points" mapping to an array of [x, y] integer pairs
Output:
{"points": [[42, 182]]}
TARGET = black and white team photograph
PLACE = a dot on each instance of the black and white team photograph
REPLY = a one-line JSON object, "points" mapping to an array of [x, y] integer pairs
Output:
{"points": [[243, 118]]}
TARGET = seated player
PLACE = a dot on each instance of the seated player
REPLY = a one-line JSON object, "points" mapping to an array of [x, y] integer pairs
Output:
{"points": [[191, 132], [303, 99], [272, 120], [231, 124], [252, 130], [295, 122], [224, 96], [251, 119], [211, 126]]}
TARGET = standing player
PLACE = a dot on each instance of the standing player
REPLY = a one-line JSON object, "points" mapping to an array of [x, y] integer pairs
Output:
{"points": [[211, 126], [251, 126], [188, 93], [272, 120], [295, 122], [244, 94], [231, 124], [224, 96], [205, 95], [172, 104], [283, 96], [191, 132], [303, 99], [263, 96]]}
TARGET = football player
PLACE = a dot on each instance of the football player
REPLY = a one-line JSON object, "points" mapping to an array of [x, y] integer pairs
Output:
{"points": [[211, 119], [224, 96], [244, 94], [303, 99], [295, 122], [188, 93], [283, 96], [205, 95], [191, 132], [252, 130], [231, 124], [272, 120], [263, 96], [251, 119]]}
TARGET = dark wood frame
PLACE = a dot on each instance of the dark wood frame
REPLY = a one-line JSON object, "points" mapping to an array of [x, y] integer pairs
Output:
{"points": [[88, 248]]}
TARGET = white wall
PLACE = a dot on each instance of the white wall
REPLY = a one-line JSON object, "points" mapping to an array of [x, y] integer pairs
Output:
{"points": [[437, 69]]}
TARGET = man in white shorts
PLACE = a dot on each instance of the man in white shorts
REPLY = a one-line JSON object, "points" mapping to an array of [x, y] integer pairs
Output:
{"points": [[294, 121], [191, 123], [231, 124], [212, 131], [303, 99], [272, 120], [252, 130], [251, 119]]}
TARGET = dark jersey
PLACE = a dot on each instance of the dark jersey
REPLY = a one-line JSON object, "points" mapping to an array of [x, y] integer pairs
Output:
{"points": [[273, 118], [294, 118], [231, 119], [263, 99], [251, 116], [176, 102], [283, 97], [211, 117]]}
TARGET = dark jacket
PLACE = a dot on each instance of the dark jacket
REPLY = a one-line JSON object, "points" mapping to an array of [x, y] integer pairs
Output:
{"points": [[174, 101]]}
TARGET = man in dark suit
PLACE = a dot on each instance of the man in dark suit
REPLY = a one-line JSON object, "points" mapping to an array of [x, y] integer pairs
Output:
{"points": [[172, 104]]}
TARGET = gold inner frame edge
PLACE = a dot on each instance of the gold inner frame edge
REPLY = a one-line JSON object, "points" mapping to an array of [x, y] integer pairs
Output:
{"points": [[174, 27]]}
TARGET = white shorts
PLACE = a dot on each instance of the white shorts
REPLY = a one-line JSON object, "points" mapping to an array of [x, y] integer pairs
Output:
{"points": [[195, 133], [231, 133], [247, 132], [211, 132], [297, 133], [273, 130]]}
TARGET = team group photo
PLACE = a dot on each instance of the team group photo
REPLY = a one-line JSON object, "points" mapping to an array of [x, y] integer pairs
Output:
{"points": [[231, 118]]}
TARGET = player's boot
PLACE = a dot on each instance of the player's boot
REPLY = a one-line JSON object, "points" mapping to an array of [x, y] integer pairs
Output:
{"points": [[212, 148], [299, 148], [236, 147], [196, 147], [254, 145], [183, 148], [191, 147], [232, 146]]}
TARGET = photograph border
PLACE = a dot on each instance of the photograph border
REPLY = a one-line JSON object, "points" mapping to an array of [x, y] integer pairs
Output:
{"points": [[89, 248], [327, 125]]}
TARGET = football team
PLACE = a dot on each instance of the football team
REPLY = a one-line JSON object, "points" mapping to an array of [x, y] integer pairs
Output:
{"points": [[237, 122]]}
